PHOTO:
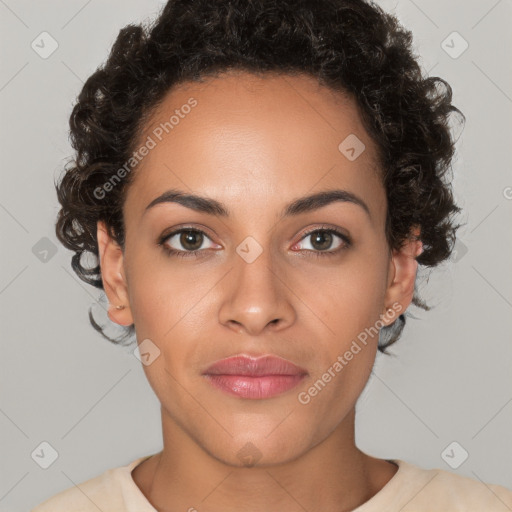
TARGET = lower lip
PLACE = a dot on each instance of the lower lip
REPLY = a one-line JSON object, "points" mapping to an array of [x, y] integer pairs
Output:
{"points": [[255, 388]]}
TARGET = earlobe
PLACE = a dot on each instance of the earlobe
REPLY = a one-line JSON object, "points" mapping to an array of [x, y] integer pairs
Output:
{"points": [[403, 268], [113, 277]]}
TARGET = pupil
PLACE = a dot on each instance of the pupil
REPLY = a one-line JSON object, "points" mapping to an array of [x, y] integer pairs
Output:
{"points": [[323, 238], [187, 239]]}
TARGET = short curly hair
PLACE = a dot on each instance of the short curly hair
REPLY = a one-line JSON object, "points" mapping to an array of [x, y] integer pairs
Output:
{"points": [[351, 46]]}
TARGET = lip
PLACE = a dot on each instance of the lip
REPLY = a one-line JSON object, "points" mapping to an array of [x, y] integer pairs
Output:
{"points": [[254, 378]]}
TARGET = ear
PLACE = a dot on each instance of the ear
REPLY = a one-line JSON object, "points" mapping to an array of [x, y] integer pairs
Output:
{"points": [[402, 276], [113, 276]]}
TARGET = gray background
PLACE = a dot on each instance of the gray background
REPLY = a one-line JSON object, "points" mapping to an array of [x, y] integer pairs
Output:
{"points": [[62, 383]]}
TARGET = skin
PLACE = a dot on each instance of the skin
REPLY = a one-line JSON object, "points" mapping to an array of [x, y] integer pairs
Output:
{"points": [[256, 144]]}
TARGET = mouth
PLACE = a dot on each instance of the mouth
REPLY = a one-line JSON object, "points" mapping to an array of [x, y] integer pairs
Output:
{"points": [[254, 378]]}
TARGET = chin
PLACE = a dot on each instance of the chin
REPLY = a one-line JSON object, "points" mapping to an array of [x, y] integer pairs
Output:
{"points": [[250, 450]]}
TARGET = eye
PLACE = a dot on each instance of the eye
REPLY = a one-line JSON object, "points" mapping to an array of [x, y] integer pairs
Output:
{"points": [[322, 240], [190, 239], [188, 242]]}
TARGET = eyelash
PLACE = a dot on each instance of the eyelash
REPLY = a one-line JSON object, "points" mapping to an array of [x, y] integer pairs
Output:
{"points": [[195, 254]]}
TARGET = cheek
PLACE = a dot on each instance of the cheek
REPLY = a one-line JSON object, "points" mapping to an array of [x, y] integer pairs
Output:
{"points": [[168, 308], [347, 298], [334, 391], [349, 310], [160, 293]]}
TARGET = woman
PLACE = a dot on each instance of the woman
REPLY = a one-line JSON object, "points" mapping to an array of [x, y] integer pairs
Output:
{"points": [[259, 182]]}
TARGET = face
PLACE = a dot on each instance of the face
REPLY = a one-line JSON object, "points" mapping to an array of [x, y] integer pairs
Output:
{"points": [[304, 283]]}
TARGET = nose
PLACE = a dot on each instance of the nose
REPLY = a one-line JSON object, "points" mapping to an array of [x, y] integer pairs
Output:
{"points": [[256, 297]]}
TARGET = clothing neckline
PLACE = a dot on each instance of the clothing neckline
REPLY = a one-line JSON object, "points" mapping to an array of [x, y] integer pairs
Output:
{"points": [[382, 495]]}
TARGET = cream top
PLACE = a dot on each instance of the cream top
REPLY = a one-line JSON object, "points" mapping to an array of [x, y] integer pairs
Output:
{"points": [[411, 489]]}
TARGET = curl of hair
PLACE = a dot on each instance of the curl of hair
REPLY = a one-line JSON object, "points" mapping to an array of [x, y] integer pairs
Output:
{"points": [[349, 45]]}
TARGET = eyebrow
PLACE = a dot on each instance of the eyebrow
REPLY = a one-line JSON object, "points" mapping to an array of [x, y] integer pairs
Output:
{"points": [[296, 207]]}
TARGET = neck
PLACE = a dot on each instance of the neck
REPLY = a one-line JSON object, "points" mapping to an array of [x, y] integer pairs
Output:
{"points": [[185, 477]]}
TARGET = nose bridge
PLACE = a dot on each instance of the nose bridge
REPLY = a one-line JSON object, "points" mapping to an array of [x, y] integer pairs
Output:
{"points": [[256, 267], [256, 295]]}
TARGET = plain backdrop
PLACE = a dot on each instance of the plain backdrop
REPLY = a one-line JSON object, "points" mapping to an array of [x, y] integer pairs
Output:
{"points": [[61, 383]]}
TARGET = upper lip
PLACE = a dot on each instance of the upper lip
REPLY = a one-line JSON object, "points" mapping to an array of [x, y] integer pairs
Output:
{"points": [[254, 366]]}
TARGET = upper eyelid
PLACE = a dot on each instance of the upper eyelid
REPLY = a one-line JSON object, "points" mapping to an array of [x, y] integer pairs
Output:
{"points": [[336, 231]]}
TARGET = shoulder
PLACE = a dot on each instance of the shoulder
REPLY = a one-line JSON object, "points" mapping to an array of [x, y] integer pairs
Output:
{"points": [[107, 491], [439, 489], [98, 493]]}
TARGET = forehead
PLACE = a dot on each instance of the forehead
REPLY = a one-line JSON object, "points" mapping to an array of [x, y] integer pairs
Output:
{"points": [[259, 140]]}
